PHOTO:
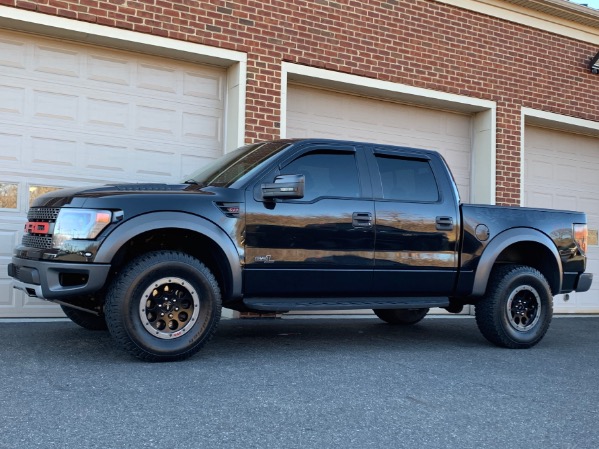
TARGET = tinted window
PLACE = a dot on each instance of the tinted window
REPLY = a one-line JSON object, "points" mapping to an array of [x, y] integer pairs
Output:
{"points": [[407, 179], [233, 166], [327, 174]]}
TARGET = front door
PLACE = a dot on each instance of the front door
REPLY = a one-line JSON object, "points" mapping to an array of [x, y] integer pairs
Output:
{"points": [[320, 244]]}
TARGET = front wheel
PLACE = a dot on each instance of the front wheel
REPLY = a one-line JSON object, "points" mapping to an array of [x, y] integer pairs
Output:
{"points": [[401, 316], [517, 309], [164, 306]]}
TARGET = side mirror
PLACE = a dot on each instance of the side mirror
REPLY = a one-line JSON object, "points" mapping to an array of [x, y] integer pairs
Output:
{"points": [[285, 186]]}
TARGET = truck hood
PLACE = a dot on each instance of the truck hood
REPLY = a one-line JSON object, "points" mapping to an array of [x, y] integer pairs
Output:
{"points": [[77, 196]]}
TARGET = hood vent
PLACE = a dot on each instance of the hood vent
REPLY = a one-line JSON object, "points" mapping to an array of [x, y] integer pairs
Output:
{"points": [[148, 187]]}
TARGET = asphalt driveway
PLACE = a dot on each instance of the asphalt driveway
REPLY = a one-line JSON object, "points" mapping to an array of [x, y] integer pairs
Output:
{"points": [[303, 383]]}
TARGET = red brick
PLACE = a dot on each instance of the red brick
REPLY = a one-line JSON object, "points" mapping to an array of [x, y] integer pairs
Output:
{"points": [[418, 43]]}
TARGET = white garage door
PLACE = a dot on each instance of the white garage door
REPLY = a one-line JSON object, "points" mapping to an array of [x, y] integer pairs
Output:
{"points": [[319, 113], [561, 171], [74, 114]]}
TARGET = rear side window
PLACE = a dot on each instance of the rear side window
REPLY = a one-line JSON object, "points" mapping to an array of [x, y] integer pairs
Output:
{"points": [[407, 179]]}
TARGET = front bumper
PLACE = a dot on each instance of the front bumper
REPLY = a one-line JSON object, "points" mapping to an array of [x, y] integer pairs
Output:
{"points": [[584, 282], [57, 280]]}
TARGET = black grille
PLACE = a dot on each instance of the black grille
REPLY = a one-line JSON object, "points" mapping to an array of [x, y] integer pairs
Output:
{"points": [[40, 214], [43, 213], [37, 241]]}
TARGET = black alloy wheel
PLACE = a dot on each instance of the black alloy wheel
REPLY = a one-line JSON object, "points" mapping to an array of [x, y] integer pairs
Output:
{"points": [[164, 306], [517, 309]]}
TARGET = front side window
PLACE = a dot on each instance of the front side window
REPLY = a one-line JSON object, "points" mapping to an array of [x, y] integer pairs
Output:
{"points": [[407, 179], [327, 174]]}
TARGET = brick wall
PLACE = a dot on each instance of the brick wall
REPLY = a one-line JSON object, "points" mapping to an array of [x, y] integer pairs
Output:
{"points": [[415, 42]]}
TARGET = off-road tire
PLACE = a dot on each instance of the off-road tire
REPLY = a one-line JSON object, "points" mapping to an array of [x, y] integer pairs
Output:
{"points": [[401, 316], [517, 308], [86, 320], [141, 306]]}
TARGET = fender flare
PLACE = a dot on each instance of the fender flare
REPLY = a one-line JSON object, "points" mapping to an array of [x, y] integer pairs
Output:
{"points": [[501, 242], [177, 220]]}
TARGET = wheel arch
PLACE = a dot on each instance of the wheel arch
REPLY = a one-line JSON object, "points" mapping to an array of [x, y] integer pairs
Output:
{"points": [[525, 246], [177, 230]]}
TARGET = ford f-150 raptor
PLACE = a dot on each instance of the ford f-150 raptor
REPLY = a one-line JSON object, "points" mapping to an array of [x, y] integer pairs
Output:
{"points": [[301, 224]]}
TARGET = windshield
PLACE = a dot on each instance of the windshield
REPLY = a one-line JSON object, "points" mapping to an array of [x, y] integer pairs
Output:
{"points": [[233, 166]]}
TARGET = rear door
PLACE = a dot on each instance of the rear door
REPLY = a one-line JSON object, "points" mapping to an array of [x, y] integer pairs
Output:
{"points": [[416, 224], [320, 244]]}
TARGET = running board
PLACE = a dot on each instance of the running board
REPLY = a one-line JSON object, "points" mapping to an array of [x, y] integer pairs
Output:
{"points": [[286, 304]]}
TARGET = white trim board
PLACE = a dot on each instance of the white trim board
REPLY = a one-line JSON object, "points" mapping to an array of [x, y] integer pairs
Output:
{"points": [[505, 10]]}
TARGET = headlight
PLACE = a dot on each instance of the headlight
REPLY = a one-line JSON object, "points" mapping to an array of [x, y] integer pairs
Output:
{"points": [[77, 224]]}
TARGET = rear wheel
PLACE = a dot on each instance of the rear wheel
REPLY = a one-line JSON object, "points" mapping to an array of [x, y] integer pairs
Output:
{"points": [[86, 320], [164, 306], [401, 316], [517, 309]]}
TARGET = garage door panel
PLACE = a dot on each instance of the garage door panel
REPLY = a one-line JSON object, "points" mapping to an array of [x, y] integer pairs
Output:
{"points": [[50, 151], [591, 206], [56, 60], [197, 126], [456, 126], [427, 122], [567, 173], [588, 175], [561, 172], [158, 122], [319, 113], [11, 148], [73, 114], [155, 163], [565, 202], [12, 53], [107, 158], [540, 199], [156, 78], [54, 108], [203, 85], [108, 70], [106, 115], [12, 100]]}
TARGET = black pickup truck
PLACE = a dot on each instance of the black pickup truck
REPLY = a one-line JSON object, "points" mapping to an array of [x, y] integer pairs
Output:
{"points": [[296, 225]]}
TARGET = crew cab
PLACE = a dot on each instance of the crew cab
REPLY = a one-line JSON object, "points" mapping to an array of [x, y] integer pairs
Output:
{"points": [[304, 224]]}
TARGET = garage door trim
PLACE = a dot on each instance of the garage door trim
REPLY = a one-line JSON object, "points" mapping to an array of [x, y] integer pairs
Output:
{"points": [[554, 121], [90, 33]]}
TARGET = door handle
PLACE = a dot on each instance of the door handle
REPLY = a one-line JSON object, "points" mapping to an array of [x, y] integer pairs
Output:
{"points": [[444, 223], [361, 220]]}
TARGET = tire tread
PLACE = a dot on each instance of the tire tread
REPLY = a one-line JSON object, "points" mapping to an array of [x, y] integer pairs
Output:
{"points": [[120, 284], [488, 309]]}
